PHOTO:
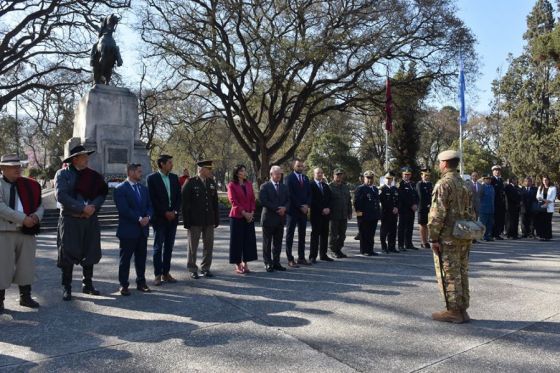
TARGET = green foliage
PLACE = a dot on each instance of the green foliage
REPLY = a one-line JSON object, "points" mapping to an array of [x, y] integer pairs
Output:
{"points": [[406, 113], [9, 128], [331, 151]]}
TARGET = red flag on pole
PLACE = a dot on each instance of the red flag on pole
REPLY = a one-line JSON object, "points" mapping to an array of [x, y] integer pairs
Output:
{"points": [[388, 107]]}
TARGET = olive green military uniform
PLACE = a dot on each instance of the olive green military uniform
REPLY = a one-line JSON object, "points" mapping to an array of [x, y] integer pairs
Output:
{"points": [[451, 201], [341, 211]]}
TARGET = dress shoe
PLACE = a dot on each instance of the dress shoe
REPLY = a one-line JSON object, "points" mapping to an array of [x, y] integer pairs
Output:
{"points": [[357, 237], [312, 261], [385, 250], [499, 238], [124, 291], [292, 264], [195, 276], [341, 255], [89, 289], [327, 259], [157, 281], [278, 267], [465, 315], [269, 268], [67, 293], [143, 288], [394, 250], [474, 241], [25, 299], [303, 262], [210, 274], [401, 249], [373, 253], [412, 248], [454, 316], [168, 278]]}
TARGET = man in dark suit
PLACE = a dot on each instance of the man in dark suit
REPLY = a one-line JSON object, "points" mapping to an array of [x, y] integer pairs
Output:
{"points": [[165, 195], [499, 202], [408, 204], [135, 209], [273, 196], [320, 216], [527, 215], [300, 199], [514, 199], [389, 197], [424, 191]]}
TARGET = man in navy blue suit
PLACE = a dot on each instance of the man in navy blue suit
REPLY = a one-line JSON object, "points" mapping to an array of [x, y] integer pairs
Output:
{"points": [[135, 210], [165, 195], [300, 199]]}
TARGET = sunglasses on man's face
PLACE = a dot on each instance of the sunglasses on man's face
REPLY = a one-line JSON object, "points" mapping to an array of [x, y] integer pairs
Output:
{"points": [[369, 177]]}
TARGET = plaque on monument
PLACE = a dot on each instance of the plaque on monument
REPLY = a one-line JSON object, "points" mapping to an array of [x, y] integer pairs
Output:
{"points": [[116, 155]]}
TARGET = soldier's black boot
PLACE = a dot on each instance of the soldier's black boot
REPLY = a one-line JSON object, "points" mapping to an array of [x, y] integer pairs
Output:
{"points": [[87, 283], [67, 292], [2, 295], [25, 299]]}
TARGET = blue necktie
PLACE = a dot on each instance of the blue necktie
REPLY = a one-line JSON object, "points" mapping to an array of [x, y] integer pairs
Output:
{"points": [[138, 195]]}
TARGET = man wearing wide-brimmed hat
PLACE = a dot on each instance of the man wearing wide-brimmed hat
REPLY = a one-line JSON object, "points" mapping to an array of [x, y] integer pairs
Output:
{"points": [[80, 192], [20, 213]]}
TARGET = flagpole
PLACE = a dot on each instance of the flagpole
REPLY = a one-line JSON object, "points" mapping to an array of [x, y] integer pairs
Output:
{"points": [[461, 147], [386, 150]]}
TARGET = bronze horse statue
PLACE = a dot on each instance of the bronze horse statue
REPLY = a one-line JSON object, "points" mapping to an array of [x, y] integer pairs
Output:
{"points": [[105, 52]]}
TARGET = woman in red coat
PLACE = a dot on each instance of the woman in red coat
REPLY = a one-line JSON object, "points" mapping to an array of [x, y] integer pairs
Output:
{"points": [[243, 242]]}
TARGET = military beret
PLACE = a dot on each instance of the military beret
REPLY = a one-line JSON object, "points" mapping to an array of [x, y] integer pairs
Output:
{"points": [[448, 155], [369, 174], [389, 175], [496, 167], [205, 164], [406, 170], [338, 171]]}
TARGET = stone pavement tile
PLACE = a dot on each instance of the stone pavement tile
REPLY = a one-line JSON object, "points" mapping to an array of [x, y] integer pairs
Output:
{"points": [[236, 347]]}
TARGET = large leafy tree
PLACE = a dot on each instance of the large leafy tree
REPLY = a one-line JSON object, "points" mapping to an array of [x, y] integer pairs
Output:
{"points": [[42, 40], [273, 67]]}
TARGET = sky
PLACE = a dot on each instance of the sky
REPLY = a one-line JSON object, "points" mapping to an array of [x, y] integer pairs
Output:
{"points": [[498, 26]]}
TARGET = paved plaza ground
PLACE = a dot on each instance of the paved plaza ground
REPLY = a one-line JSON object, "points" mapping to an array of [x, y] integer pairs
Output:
{"points": [[356, 314]]}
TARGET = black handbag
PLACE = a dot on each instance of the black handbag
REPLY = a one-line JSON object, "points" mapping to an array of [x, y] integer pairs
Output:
{"points": [[538, 206]]}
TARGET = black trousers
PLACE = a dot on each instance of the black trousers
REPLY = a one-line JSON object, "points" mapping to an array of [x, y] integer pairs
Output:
{"points": [[300, 221], [527, 224], [512, 223], [272, 244], [67, 270], [543, 224], [499, 221], [367, 230], [319, 237], [139, 248], [406, 226], [388, 234]]}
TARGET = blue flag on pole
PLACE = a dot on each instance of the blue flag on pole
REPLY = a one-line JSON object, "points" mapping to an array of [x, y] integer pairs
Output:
{"points": [[463, 111]]}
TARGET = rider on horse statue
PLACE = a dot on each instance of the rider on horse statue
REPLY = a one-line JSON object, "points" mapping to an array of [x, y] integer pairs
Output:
{"points": [[105, 52]]}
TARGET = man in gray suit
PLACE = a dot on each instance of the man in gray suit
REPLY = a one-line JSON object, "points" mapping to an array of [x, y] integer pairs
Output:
{"points": [[273, 196], [476, 189]]}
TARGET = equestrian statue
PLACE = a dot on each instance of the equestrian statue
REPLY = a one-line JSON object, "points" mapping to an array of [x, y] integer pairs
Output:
{"points": [[105, 52]]}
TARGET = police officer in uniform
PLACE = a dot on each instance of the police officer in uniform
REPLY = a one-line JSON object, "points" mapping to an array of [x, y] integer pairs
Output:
{"points": [[389, 196], [200, 216], [424, 189], [366, 204], [408, 204], [451, 201]]}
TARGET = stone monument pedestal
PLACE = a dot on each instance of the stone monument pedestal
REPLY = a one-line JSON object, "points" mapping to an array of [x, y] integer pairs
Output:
{"points": [[106, 120]]}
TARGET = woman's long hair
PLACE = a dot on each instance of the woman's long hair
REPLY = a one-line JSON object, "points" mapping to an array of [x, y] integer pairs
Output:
{"points": [[235, 173]]}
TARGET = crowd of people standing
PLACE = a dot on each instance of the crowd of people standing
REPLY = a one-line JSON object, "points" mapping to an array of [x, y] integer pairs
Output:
{"points": [[287, 203]]}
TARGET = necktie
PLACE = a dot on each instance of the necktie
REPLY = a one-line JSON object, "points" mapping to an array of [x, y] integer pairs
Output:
{"points": [[12, 202], [300, 179], [276, 187], [138, 195], [320, 187]]}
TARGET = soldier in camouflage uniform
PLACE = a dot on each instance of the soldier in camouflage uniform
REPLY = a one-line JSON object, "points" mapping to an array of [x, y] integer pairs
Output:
{"points": [[341, 212], [451, 201]]}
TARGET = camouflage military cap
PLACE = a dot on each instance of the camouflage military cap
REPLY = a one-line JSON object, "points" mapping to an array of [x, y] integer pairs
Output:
{"points": [[369, 174], [338, 171], [449, 155]]}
